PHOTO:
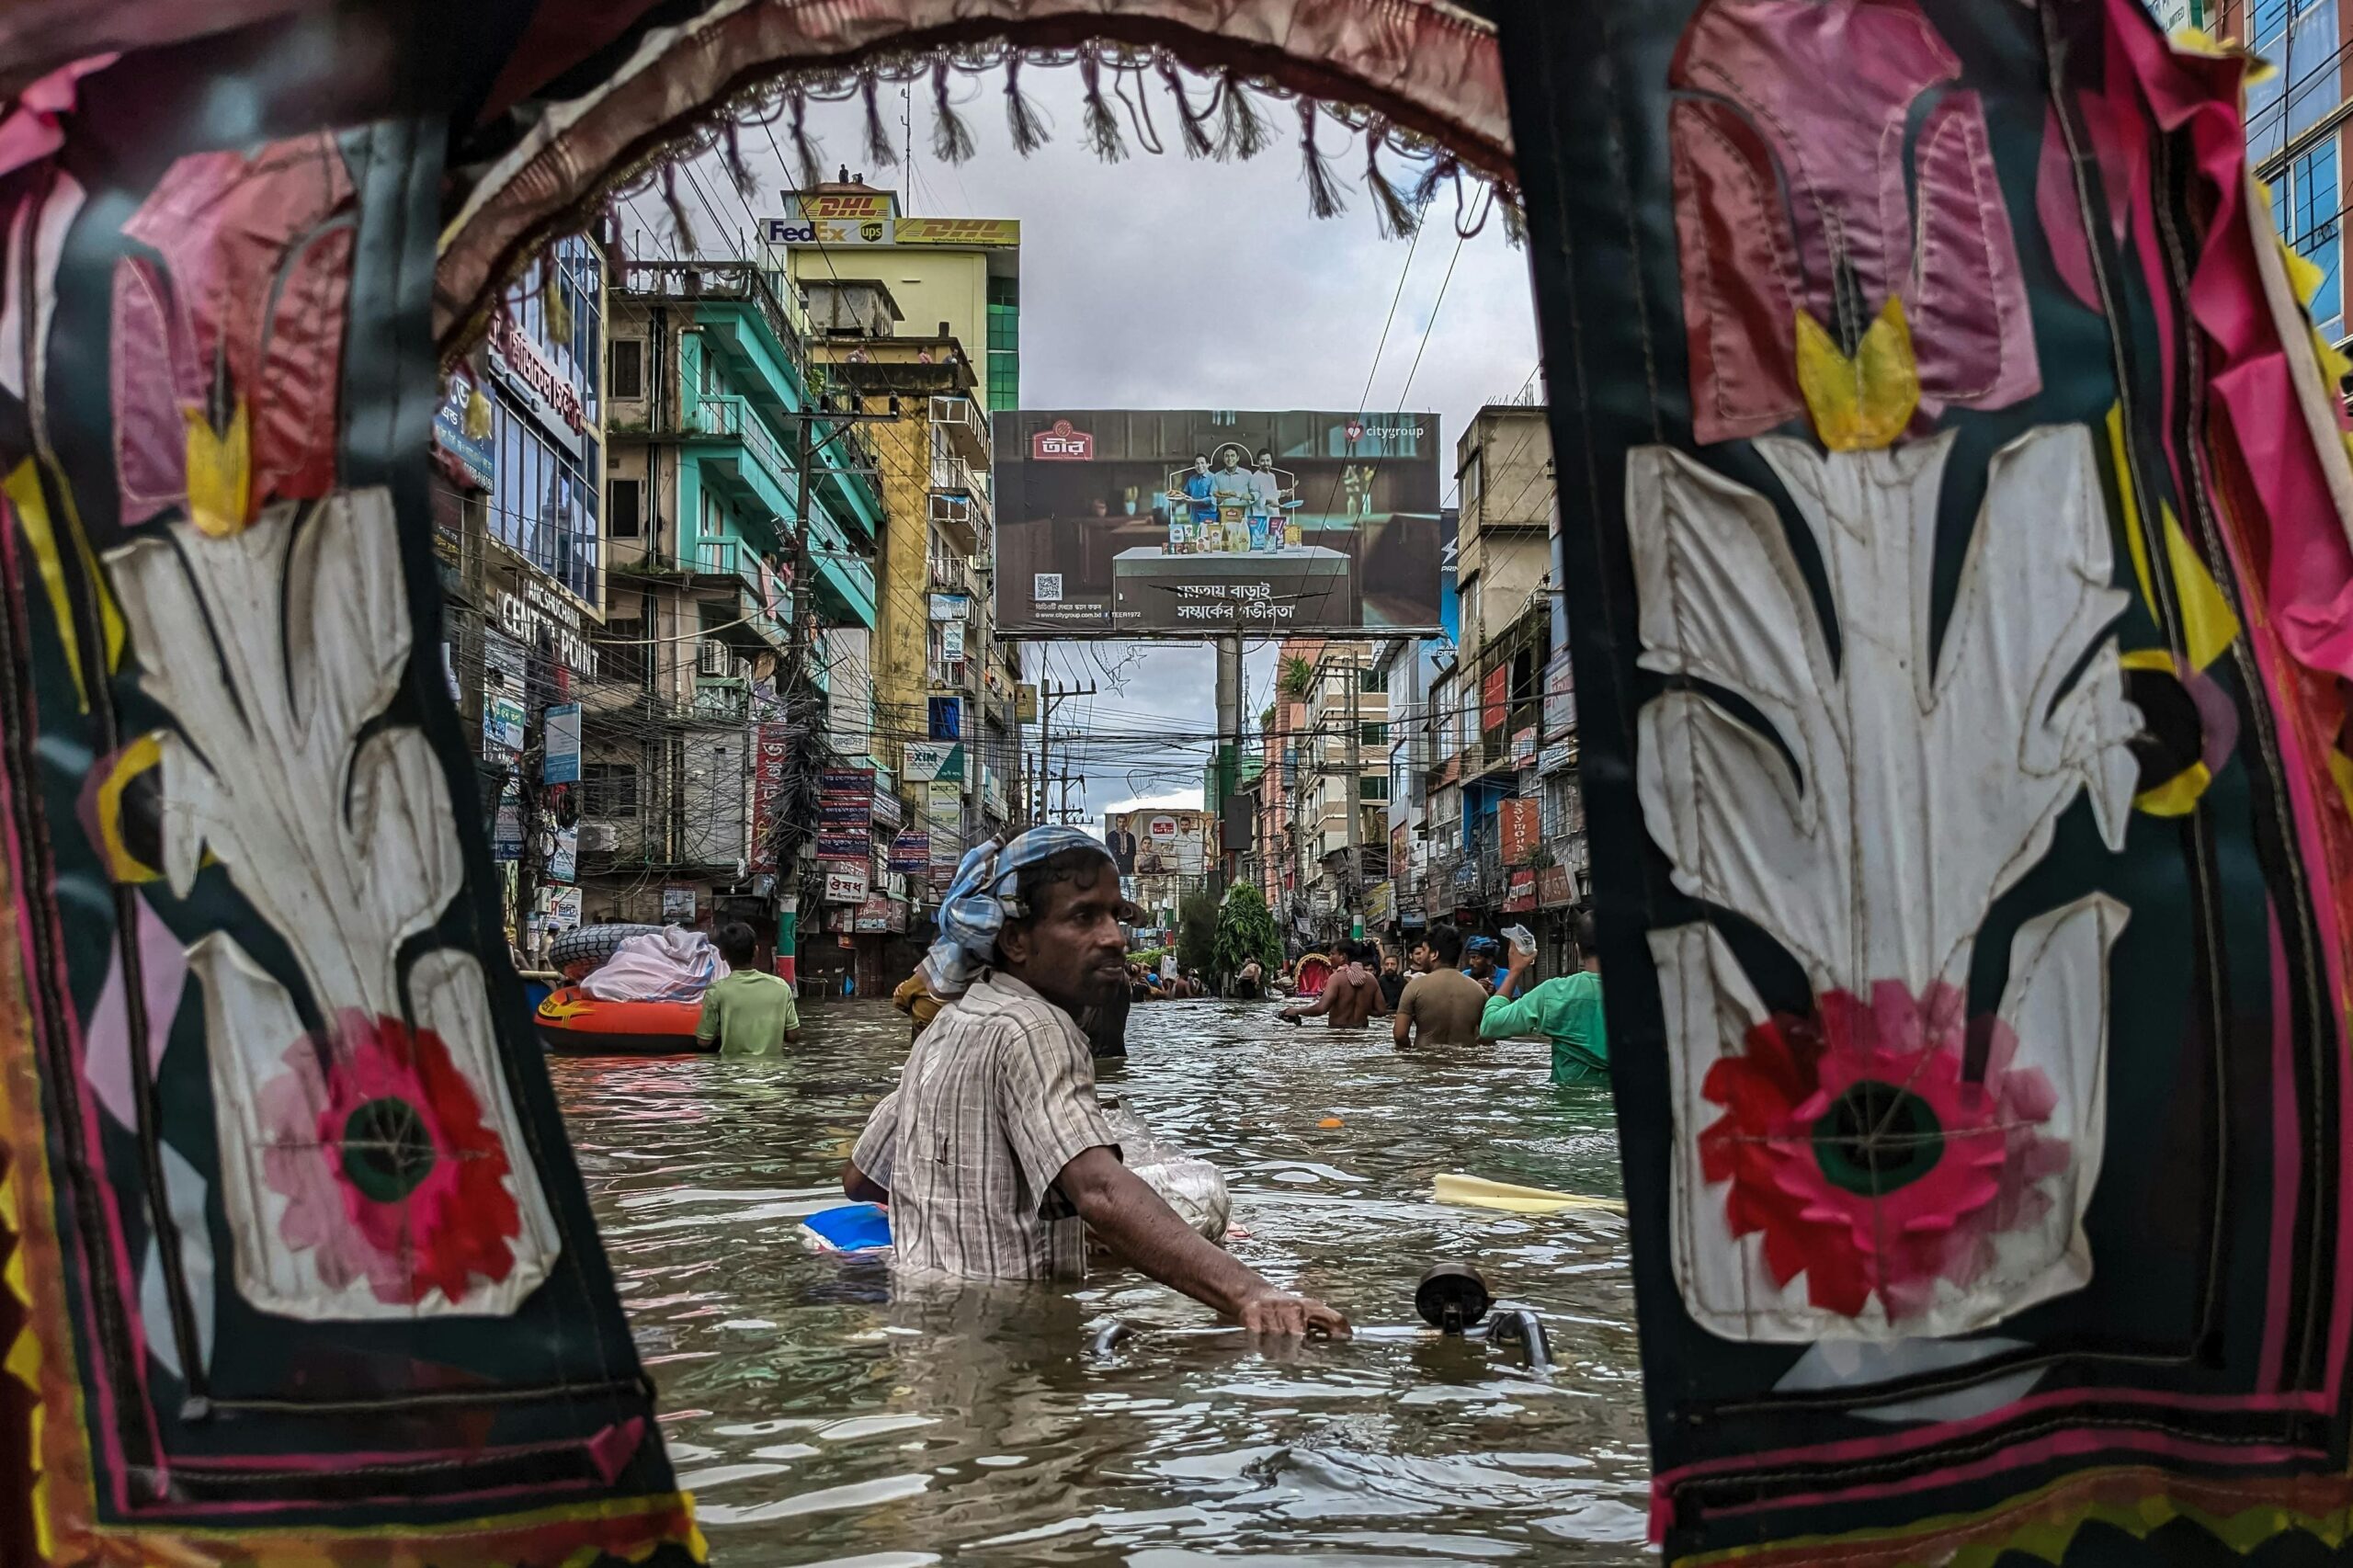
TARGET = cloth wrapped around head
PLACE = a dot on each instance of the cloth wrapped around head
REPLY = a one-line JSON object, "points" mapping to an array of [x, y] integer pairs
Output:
{"points": [[982, 899]]}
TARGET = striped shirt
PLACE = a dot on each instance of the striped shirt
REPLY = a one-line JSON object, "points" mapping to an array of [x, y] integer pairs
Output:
{"points": [[997, 1097]]}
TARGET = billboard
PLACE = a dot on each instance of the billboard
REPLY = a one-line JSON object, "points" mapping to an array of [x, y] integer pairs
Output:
{"points": [[1158, 842], [1188, 523]]}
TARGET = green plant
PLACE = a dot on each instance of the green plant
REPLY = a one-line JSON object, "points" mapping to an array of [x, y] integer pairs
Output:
{"points": [[1245, 931], [1298, 679], [1197, 933]]}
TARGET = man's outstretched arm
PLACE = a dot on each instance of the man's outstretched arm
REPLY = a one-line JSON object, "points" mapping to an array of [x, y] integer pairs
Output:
{"points": [[1145, 1230]]}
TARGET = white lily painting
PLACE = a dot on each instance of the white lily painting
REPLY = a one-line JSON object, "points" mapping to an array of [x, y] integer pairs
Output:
{"points": [[1863, 786]]}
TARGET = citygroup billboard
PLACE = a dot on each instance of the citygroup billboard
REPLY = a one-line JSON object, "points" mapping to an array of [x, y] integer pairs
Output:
{"points": [[1159, 842], [1185, 523]]}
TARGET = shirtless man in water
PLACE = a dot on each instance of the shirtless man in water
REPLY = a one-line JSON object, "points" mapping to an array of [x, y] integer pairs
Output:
{"points": [[1350, 996]]}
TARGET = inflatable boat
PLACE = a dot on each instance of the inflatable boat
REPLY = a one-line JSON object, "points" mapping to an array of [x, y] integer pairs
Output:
{"points": [[573, 1022]]}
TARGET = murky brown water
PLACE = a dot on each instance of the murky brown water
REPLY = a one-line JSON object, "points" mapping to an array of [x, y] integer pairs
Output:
{"points": [[818, 1420]]}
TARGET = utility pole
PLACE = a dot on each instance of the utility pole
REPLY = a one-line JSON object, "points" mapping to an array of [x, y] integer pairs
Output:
{"points": [[1048, 695], [1229, 729], [1353, 795]]}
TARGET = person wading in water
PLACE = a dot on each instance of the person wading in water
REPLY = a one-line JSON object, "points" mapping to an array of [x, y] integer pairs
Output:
{"points": [[1009, 1162], [1350, 996]]}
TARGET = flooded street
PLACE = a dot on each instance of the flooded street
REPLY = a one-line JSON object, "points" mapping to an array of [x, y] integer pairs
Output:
{"points": [[819, 1421]]}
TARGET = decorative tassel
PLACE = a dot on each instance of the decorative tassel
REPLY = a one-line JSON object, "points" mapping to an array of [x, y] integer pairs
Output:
{"points": [[1197, 141], [609, 235], [1323, 190], [1388, 210], [477, 420], [681, 227], [1020, 114], [1444, 167], [879, 149], [804, 146], [553, 306], [950, 142], [747, 184], [1515, 215], [1102, 125], [1240, 132]]}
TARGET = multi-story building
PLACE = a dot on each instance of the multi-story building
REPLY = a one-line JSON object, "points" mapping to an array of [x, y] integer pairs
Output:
{"points": [[957, 277], [945, 689], [2299, 122], [518, 509], [715, 555], [1339, 793]]}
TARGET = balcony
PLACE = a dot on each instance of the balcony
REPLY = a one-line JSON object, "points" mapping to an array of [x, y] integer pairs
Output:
{"points": [[966, 425], [691, 281], [953, 480], [952, 575], [743, 456]]}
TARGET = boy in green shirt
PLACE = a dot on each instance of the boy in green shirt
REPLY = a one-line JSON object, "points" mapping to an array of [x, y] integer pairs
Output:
{"points": [[1567, 1008], [750, 1012]]}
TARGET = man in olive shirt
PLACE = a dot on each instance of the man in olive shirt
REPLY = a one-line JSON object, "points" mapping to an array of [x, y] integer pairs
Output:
{"points": [[1441, 1005], [1566, 1009], [749, 1012]]}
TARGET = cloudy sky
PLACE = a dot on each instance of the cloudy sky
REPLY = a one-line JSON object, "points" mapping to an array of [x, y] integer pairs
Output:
{"points": [[1160, 282]]}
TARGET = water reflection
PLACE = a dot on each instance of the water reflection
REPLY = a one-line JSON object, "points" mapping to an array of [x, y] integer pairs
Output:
{"points": [[821, 1418]]}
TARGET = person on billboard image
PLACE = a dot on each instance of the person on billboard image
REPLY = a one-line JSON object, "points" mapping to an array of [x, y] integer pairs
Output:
{"points": [[1234, 490], [1123, 844], [1199, 490], [1266, 504]]}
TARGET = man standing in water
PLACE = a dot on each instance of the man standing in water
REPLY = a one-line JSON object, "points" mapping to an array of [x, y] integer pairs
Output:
{"points": [[1442, 1005], [1350, 996], [747, 1012], [1011, 1164], [1565, 1009]]}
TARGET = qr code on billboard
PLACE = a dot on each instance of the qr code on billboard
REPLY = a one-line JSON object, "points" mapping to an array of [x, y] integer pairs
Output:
{"points": [[1046, 587]]}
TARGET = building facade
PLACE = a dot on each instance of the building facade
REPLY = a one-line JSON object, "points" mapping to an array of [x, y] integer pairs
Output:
{"points": [[732, 690], [2299, 125]]}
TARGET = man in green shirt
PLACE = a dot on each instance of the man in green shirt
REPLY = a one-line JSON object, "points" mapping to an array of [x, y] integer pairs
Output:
{"points": [[1566, 1008], [750, 1012]]}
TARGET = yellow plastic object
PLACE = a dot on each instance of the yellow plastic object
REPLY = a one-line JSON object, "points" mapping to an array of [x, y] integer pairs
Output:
{"points": [[1860, 404], [1477, 1192]]}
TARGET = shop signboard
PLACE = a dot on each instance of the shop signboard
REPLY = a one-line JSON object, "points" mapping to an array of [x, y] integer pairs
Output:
{"points": [[1025, 703], [1520, 897], [1380, 903], [1187, 523], [466, 456], [1554, 759], [532, 381], [1560, 697], [1494, 700], [911, 851], [845, 884], [560, 744], [874, 914], [950, 606], [563, 855], [771, 749], [928, 760], [544, 616], [563, 912], [1552, 888], [1520, 829], [1523, 749], [951, 643], [841, 847], [503, 667], [507, 825]]}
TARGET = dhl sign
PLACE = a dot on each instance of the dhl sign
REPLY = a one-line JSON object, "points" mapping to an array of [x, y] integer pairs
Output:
{"points": [[851, 206], [1063, 444], [959, 231]]}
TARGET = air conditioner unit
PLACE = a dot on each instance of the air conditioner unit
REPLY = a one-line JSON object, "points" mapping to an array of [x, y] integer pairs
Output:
{"points": [[743, 669], [600, 837], [951, 509], [983, 563], [714, 658]]}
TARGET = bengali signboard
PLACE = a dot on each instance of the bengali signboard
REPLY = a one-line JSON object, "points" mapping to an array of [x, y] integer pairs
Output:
{"points": [[1184, 522], [928, 760], [560, 744], [911, 851], [1560, 697], [846, 815], [1523, 749], [845, 884], [1494, 700], [1520, 898], [1519, 828], [1552, 887], [771, 748]]}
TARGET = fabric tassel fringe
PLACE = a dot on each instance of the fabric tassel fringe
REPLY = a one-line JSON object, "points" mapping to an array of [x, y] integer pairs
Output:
{"points": [[1197, 139], [1240, 132], [1021, 116], [879, 149], [1324, 198], [804, 146], [951, 141], [611, 240], [554, 305], [682, 228], [747, 184], [1102, 126], [1390, 210]]}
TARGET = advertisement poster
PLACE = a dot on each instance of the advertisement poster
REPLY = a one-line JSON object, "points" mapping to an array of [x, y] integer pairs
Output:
{"points": [[506, 826], [1158, 844], [927, 760], [561, 728], [504, 666], [1181, 523], [679, 906], [563, 911], [1519, 827]]}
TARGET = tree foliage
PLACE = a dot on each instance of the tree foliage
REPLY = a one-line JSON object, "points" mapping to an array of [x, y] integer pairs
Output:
{"points": [[1246, 930], [1196, 934]]}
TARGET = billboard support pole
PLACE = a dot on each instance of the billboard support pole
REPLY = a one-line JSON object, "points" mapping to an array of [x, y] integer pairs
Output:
{"points": [[1229, 749], [1354, 798]]}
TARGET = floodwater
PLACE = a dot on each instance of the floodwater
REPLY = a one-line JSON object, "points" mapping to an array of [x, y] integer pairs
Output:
{"points": [[820, 1420]]}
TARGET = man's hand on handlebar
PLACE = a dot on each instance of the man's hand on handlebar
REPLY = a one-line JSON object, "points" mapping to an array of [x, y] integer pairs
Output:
{"points": [[1273, 1312]]}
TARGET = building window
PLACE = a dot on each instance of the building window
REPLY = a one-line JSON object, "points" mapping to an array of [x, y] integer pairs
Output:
{"points": [[628, 379], [2299, 37], [2304, 208], [627, 506], [1470, 481], [622, 652], [1373, 787], [608, 790], [1372, 732]]}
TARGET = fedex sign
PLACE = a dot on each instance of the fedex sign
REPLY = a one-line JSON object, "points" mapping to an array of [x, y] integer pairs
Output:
{"points": [[1063, 444]]}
